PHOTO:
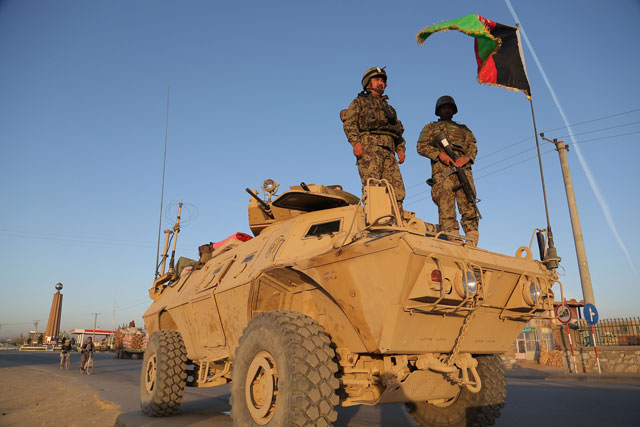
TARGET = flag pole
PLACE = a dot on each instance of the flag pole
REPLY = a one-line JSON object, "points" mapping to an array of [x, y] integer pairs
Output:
{"points": [[551, 258]]}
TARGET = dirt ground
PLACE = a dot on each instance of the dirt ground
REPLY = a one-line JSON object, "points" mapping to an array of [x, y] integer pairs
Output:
{"points": [[29, 397]]}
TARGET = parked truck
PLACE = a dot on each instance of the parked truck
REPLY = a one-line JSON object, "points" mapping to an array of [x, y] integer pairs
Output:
{"points": [[130, 342]]}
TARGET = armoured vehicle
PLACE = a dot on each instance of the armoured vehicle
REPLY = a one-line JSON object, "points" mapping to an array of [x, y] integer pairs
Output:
{"points": [[340, 300]]}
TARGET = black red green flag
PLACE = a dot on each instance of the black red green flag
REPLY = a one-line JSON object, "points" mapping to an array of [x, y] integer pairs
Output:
{"points": [[498, 50]]}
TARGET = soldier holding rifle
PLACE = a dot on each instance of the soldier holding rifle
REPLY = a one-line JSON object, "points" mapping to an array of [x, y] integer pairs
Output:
{"points": [[452, 149]]}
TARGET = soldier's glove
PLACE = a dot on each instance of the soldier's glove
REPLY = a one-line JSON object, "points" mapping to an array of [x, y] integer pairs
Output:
{"points": [[462, 161], [444, 158], [358, 151], [401, 156]]}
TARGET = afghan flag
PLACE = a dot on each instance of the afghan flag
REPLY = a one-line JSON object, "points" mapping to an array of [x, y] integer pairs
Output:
{"points": [[498, 50]]}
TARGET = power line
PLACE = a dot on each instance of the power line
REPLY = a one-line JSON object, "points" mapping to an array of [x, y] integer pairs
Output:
{"points": [[604, 137], [511, 145], [530, 149], [505, 148], [592, 120], [491, 173], [598, 130], [34, 235], [506, 158], [145, 301], [512, 165]]}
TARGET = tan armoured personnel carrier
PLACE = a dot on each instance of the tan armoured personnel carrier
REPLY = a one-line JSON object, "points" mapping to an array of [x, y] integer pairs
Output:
{"points": [[340, 301]]}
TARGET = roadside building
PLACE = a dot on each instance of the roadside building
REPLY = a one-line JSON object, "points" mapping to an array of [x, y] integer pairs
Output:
{"points": [[82, 334]]}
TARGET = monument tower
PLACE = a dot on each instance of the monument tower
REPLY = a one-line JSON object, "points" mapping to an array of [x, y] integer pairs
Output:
{"points": [[53, 324]]}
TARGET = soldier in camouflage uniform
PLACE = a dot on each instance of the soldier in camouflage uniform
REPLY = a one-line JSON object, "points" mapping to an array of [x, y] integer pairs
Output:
{"points": [[375, 133], [446, 190]]}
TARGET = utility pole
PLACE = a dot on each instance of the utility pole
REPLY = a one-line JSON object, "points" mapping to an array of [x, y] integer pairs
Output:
{"points": [[583, 265], [113, 324], [95, 320]]}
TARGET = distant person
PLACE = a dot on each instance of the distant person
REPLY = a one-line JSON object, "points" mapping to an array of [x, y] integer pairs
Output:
{"points": [[87, 350], [375, 133], [65, 352], [446, 189]]}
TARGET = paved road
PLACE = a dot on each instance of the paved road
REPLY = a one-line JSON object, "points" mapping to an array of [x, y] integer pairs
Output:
{"points": [[531, 401]]}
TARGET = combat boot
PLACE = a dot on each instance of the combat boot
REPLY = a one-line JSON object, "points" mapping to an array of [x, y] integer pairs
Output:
{"points": [[475, 236]]}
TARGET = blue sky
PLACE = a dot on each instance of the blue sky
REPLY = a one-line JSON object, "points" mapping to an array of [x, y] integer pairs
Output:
{"points": [[256, 89]]}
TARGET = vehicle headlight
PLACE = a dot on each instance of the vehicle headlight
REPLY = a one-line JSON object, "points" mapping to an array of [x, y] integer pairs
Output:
{"points": [[269, 185], [531, 292], [472, 285]]}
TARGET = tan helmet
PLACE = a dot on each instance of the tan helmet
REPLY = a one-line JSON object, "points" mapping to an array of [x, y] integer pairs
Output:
{"points": [[371, 73], [446, 99]]}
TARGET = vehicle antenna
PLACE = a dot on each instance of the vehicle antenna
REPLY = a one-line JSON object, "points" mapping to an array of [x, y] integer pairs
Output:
{"points": [[164, 162]]}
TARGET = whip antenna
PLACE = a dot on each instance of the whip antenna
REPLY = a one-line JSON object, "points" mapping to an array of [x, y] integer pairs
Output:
{"points": [[164, 162]]}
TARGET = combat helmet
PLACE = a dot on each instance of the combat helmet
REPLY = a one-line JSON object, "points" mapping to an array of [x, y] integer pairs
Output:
{"points": [[371, 73], [446, 99]]}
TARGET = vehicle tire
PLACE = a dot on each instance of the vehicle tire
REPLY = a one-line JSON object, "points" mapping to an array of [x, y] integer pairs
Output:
{"points": [[468, 409], [284, 373], [163, 375]]}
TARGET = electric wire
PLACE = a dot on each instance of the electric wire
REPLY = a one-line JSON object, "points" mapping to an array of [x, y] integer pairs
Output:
{"points": [[522, 161], [144, 301], [491, 173], [564, 127], [598, 130], [532, 148], [604, 137], [63, 238], [593, 120]]}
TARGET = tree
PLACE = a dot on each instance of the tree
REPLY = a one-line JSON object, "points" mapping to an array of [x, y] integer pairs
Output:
{"points": [[29, 341], [40, 339]]}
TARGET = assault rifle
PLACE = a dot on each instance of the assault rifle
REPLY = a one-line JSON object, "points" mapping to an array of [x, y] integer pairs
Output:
{"points": [[462, 177]]}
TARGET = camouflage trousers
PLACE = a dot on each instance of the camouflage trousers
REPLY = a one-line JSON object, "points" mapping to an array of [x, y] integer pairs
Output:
{"points": [[445, 198], [381, 163]]}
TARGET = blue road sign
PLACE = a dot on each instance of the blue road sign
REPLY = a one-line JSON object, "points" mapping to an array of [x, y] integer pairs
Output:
{"points": [[590, 314]]}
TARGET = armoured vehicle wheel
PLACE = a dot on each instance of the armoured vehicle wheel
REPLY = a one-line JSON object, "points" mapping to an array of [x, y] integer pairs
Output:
{"points": [[468, 409], [164, 375], [284, 373]]}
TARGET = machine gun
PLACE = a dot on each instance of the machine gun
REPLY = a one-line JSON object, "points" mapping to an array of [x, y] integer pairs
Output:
{"points": [[462, 177]]}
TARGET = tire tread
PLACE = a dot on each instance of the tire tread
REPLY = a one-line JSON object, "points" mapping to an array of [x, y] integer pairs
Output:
{"points": [[170, 382], [312, 362]]}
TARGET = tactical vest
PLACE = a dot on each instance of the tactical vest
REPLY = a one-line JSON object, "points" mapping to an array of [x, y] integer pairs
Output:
{"points": [[378, 116]]}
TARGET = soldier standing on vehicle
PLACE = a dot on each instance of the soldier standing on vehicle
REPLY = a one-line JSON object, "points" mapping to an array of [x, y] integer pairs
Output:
{"points": [[446, 189], [375, 133]]}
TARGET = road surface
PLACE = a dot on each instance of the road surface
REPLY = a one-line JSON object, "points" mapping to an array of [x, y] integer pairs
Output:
{"points": [[531, 400]]}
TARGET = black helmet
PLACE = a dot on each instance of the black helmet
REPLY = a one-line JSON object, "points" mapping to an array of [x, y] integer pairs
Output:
{"points": [[371, 73], [446, 99]]}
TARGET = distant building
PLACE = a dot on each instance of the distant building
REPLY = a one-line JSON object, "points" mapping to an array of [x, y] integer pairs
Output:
{"points": [[528, 343], [82, 335]]}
